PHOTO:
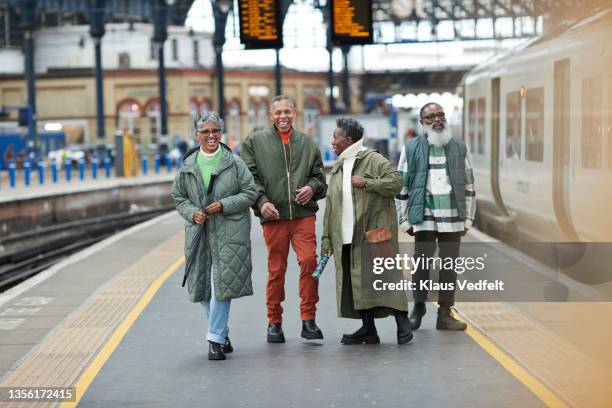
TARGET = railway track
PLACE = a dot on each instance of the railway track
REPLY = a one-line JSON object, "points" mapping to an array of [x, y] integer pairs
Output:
{"points": [[25, 254]]}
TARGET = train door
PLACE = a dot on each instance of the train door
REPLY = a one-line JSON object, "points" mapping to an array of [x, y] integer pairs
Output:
{"points": [[561, 149], [495, 102], [590, 190]]}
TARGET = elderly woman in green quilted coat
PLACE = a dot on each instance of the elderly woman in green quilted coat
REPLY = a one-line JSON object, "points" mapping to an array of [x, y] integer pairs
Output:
{"points": [[213, 191]]}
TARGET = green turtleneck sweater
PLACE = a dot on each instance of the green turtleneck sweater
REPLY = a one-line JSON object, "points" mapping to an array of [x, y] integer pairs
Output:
{"points": [[207, 164]]}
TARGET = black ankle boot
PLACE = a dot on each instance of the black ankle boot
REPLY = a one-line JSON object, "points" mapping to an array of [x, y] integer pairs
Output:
{"points": [[275, 333], [215, 351], [418, 311], [310, 330], [227, 347], [404, 329], [366, 333]]}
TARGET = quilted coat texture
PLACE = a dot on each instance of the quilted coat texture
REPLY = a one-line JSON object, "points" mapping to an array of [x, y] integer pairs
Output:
{"points": [[225, 241]]}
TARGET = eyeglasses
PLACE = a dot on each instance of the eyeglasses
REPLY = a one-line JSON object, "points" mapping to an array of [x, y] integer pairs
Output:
{"points": [[279, 112], [432, 116], [208, 132]]}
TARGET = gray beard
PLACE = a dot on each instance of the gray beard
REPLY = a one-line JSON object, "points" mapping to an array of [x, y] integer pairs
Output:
{"points": [[438, 138]]}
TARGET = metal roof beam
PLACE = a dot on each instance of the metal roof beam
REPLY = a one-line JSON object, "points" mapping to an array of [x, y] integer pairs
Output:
{"points": [[488, 12], [430, 10], [504, 7], [530, 11], [115, 9], [449, 13], [459, 4]]}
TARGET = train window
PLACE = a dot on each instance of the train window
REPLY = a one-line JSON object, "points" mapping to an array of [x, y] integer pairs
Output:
{"points": [[471, 124], [592, 123], [481, 126], [534, 124], [513, 125]]}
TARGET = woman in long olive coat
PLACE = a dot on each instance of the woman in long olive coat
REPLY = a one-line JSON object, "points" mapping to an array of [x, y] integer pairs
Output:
{"points": [[373, 183]]}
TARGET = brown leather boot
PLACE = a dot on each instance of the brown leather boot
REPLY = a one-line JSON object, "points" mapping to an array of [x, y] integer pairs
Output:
{"points": [[446, 320]]}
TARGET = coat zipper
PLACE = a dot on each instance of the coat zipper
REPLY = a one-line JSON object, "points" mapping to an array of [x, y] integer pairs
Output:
{"points": [[208, 192], [288, 176]]}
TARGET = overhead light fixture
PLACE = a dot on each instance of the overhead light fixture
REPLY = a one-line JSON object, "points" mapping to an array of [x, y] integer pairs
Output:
{"points": [[224, 5]]}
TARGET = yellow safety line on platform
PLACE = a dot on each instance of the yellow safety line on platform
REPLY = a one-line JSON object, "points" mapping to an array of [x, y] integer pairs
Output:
{"points": [[536, 386], [104, 354]]}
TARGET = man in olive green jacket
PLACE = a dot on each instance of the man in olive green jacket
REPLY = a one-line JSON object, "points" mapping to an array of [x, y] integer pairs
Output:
{"points": [[289, 179], [360, 198]]}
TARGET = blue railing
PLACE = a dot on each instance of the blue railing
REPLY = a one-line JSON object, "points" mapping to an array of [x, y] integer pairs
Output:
{"points": [[86, 171]]}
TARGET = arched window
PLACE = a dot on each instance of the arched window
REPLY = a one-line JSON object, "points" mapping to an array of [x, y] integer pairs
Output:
{"points": [[205, 105], [312, 110], [153, 123], [262, 113], [233, 132], [194, 108], [251, 116], [128, 114]]}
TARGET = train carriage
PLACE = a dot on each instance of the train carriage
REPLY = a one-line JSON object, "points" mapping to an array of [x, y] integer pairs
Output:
{"points": [[538, 124]]}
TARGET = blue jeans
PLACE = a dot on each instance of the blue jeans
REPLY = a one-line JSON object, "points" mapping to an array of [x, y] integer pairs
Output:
{"points": [[217, 312]]}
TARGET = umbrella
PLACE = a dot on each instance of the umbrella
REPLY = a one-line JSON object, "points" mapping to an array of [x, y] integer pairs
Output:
{"points": [[193, 249]]}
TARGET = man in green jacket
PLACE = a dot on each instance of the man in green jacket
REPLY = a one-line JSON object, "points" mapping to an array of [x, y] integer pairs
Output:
{"points": [[289, 179]]}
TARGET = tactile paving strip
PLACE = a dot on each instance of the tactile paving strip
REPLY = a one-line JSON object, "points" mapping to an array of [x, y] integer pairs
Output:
{"points": [[568, 372], [576, 378], [65, 353]]}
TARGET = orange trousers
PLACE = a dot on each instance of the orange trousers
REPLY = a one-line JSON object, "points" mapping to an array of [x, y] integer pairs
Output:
{"points": [[300, 233]]}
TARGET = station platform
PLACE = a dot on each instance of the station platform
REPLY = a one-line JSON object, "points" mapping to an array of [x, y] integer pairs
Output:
{"points": [[63, 187], [38, 206], [114, 322]]}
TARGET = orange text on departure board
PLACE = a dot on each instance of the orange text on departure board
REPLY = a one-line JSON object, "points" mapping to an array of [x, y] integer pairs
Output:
{"points": [[345, 20], [258, 20]]}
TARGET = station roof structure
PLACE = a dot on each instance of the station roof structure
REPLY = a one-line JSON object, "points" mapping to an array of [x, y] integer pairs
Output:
{"points": [[115, 10], [397, 13], [435, 13], [400, 11]]}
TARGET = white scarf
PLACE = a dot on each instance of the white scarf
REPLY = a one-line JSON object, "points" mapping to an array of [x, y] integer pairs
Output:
{"points": [[349, 155]]}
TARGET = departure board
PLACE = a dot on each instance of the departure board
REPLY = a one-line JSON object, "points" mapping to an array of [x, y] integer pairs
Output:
{"points": [[260, 23], [351, 22]]}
